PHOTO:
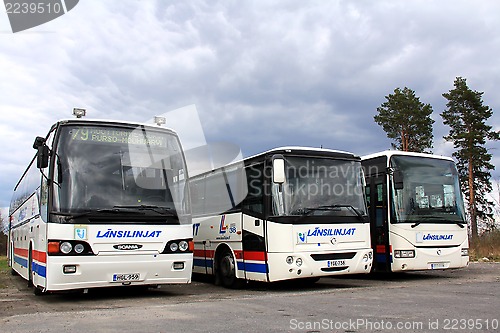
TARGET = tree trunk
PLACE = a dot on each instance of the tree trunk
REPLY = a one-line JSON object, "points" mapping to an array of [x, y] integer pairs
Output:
{"points": [[472, 201], [404, 141]]}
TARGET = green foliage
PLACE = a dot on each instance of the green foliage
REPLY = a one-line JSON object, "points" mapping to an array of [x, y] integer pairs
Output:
{"points": [[4, 267], [466, 115], [4, 271], [406, 120]]}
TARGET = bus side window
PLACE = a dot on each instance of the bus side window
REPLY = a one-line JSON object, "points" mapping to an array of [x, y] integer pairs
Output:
{"points": [[254, 201], [367, 195], [379, 206]]}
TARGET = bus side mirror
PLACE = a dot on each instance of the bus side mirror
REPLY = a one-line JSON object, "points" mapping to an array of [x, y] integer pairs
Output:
{"points": [[397, 177], [42, 156], [278, 169]]}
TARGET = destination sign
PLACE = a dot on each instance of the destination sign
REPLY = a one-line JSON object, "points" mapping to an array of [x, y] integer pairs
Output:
{"points": [[116, 135]]}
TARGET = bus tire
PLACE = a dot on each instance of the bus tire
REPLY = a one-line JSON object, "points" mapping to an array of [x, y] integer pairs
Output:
{"points": [[309, 281], [226, 271], [37, 291], [30, 268]]}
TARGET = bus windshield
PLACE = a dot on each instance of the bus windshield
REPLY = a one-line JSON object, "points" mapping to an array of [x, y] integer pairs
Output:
{"points": [[430, 191], [101, 168], [320, 187]]}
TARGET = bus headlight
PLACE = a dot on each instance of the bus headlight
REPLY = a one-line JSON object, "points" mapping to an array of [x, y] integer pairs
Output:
{"points": [[298, 262], [79, 248], [173, 247], [365, 258], [183, 246], [465, 252], [289, 260], [65, 247], [179, 246], [404, 253]]}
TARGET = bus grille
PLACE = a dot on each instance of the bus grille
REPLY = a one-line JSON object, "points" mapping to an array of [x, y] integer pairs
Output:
{"points": [[333, 256], [334, 269]]}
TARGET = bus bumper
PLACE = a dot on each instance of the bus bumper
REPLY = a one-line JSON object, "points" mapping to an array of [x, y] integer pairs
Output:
{"points": [[107, 271], [284, 266], [431, 259]]}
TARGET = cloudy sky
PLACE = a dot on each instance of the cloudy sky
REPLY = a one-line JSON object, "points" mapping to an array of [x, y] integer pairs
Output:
{"points": [[262, 74]]}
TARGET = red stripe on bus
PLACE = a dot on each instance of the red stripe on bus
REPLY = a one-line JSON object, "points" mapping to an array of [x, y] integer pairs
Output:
{"points": [[380, 249], [245, 255], [21, 252], [40, 256], [254, 255], [37, 255], [203, 253]]}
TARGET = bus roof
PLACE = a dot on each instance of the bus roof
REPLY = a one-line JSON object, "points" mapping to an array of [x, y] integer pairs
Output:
{"points": [[108, 121], [306, 151], [286, 150], [390, 153]]}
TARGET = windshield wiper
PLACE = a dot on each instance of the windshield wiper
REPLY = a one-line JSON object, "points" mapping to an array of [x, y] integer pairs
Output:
{"points": [[157, 209], [424, 218], [308, 211], [114, 210]]}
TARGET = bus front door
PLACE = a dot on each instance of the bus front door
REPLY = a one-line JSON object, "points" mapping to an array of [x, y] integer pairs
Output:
{"points": [[379, 227], [254, 249]]}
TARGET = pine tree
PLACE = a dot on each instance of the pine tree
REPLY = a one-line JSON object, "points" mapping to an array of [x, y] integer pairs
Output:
{"points": [[466, 116], [406, 120]]}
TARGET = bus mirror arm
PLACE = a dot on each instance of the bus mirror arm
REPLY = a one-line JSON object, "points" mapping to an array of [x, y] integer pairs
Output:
{"points": [[397, 177]]}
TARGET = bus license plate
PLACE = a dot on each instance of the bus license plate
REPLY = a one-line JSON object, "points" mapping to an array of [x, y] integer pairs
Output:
{"points": [[126, 277], [438, 265], [336, 263]]}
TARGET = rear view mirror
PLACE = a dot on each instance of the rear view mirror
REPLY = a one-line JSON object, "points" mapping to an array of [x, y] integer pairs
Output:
{"points": [[278, 169], [42, 156]]}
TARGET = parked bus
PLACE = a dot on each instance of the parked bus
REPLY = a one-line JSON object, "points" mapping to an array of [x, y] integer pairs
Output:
{"points": [[102, 203], [302, 215], [416, 211]]}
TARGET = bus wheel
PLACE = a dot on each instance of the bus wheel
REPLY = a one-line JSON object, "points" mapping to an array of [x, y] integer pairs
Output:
{"points": [[226, 271]]}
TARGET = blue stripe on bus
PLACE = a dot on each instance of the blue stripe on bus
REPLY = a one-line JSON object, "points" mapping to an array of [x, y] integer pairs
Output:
{"points": [[252, 267], [249, 267], [380, 258], [203, 262], [21, 261], [41, 270]]}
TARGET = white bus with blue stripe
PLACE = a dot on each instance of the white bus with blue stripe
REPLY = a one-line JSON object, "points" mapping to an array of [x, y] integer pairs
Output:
{"points": [[293, 213], [416, 210], [102, 203]]}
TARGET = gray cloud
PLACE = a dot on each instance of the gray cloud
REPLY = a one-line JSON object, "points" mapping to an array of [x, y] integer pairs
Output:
{"points": [[261, 74]]}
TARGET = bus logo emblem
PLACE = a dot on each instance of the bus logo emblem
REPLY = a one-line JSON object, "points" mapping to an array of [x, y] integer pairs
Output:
{"points": [[302, 238], [127, 247], [223, 227], [81, 233]]}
